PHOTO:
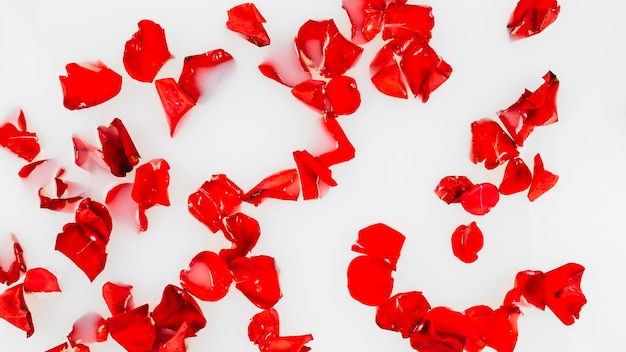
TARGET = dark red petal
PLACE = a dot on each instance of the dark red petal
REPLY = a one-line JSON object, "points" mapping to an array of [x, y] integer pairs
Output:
{"points": [[89, 328], [118, 149], [256, 277], [494, 328], [89, 84], [527, 285], [408, 21], [467, 241], [195, 66], [152, 180], [28, 169], [281, 185], [40, 280], [344, 150], [343, 95], [423, 69], [133, 330], [214, 200], [386, 75], [175, 101], [366, 18], [18, 266], [263, 326], [531, 17], [243, 232], [562, 292], [451, 188], [380, 241], [517, 177], [146, 52], [491, 144], [56, 204], [18, 140], [14, 310], [247, 20], [94, 217], [177, 308], [311, 92], [403, 312], [479, 199], [543, 180], [117, 297], [443, 330], [369, 280], [207, 277], [323, 49], [85, 249]]}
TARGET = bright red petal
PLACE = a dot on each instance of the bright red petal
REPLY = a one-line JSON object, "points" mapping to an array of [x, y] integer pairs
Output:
{"points": [[264, 326], [175, 101], [531, 17], [451, 188], [256, 277], [562, 292], [117, 297], [281, 185], [288, 344], [83, 248], [423, 69], [443, 330], [517, 177], [247, 20], [89, 84], [479, 199], [87, 156], [311, 172], [89, 328], [214, 200], [65, 347], [152, 180], [19, 141], [17, 268], [243, 232], [402, 312], [408, 21], [14, 310], [528, 286], [94, 217], [133, 330], [40, 280], [494, 328], [177, 308], [366, 18], [369, 280], [386, 75], [311, 92], [543, 180], [207, 277], [343, 95], [491, 144], [146, 52], [380, 241], [118, 149], [467, 241], [196, 65], [344, 150], [28, 169]]}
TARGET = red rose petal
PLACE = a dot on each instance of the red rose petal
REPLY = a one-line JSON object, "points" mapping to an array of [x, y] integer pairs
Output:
{"points": [[311, 172], [494, 328], [40, 280], [531, 17], [380, 241], [89, 84], [248, 21], [323, 49], [517, 177], [87, 251], [408, 21], [344, 150], [18, 140], [423, 69], [28, 169], [543, 180], [14, 310], [491, 144], [94, 217], [467, 241], [87, 156], [386, 75], [288, 344], [89, 328], [281, 185], [311, 92], [527, 285], [442, 331], [118, 149], [479, 199], [166, 341], [369, 280], [402, 313], [152, 180], [451, 188], [195, 66], [256, 277], [17, 268], [207, 277], [243, 232], [177, 308], [562, 292], [65, 347], [117, 297], [175, 101], [146, 52], [56, 204], [214, 200], [343, 95], [263, 326], [366, 18], [133, 330]]}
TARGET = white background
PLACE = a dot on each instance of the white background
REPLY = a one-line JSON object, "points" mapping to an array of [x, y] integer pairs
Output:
{"points": [[247, 127]]}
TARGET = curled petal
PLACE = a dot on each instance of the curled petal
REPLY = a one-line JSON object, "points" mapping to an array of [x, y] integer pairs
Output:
{"points": [[380, 241], [40, 280], [264, 326], [479, 199], [133, 330], [256, 277], [442, 330], [344, 150], [214, 200], [207, 277], [281, 185], [243, 232], [89, 84], [343, 95], [18, 140], [531, 17], [84, 248], [386, 75], [408, 21], [13, 309], [517, 177], [369, 280], [152, 180], [117, 297], [491, 144], [146, 52], [89, 328], [543, 180], [451, 188], [423, 69], [562, 292], [248, 21], [94, 217], [18, 266], [178, 308], [467, 241], [118, 149], [402, 312], [195, 66], [527, 285], [366, 18], [494, 328], [175, 101]]}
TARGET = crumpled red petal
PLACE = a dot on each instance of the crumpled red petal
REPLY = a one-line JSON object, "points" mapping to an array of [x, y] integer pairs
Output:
{"points": [[118, 149], [281, 185], [402, 312], [344, 150], [146, 52], [442, 330], [311, 172], [89, 84], [178, 308], [40, 280], [256, 277], [207, 276], [67, 193], [517, 177], [248, 21], [196, 65], [117, 297], [214, 200], [243, 232], [13, 309], [380, 241], [543, 180], [152, 180], [494, 328], [491, 144], [311, 92], [263, 330], [17, 267], [562, 292], [451, 188], [531, 17], [175, 101], [18, 140], [133, 330], [366, 18], [480, 198], [403, 21], [89, 328], [467, 241], [369, 280], [95, 218]]}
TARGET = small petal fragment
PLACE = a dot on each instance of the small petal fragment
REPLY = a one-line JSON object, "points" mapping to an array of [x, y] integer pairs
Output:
{"points": [[207, 277], [311, 92], [17, 267], [175, 101], [89, 84], [13, 309], [369, 280], [248, 21], [18, 140], [178, 308], [380, 241], [467, 241], [118, 149], [543, 180], [531, 17], [491, 144], [263, 330], [214, 200], [344, 150], [152, 180], [146, 52], [402, 312], [312, 171], [479, 199], [256, 277], [281, 185], [451, 188], [40, 280], [517, 177], [196, 65]]}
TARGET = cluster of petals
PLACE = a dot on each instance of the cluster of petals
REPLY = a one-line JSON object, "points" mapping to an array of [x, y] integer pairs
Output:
{"points": [[441, 328]]}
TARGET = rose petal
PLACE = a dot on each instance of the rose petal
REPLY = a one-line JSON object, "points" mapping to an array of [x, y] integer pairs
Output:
{"points": [[13, 309], [494, 328], [517, 177], [243, 232], [89, 328], [311, 92], [408, 21], [175, 101], [343, 95], [403, 312], [118, 149], [479, 199], [248, 21], [166, 341], [18, 140], [89, 84], [386, 75], [152, 180], [442, 330], [527, 285], [263, 326], [85, 249], [207, 277], [40, 280], [176, 309], [451, 188], [380, 241], [281, 185], [196, 65], [65, 347], [543, 180], [467, 241], [423, 69], [146, 52], [133, 330], [531, 17], [311, 171], [369, 280], [94, 217], [344, 150], [214, 200], [28, 169], [256, 277], [117, 297], [366, 18], [18, 266], [562, 292], [491, 144]]}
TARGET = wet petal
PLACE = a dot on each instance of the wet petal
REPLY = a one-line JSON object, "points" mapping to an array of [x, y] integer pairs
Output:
{"points": [[408, 21], [243, 232], [118, 149], [152, 180], [256, 277], [214, 200], [40, 280], [18, 140], [562, 292], [207, 277], [248, 21], [343, 95], [85, 249], [195, 66], [89, 328], [281, 185], [366, 18], [175, 101], [146, 52], [117, 297], [133, 330], [467, 241], [479, 199], [543, 180], [89, 84], [491, 144], [451, 188], [344, 150], [531, 17], [380, 241], [517, 177], [176, 309], [13, 309], [403, 312], [369, 280]]}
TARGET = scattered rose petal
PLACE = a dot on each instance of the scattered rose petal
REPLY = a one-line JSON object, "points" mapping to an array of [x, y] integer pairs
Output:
{"points": [[491, 144], [65, 347], [146, 52], [178, 308], [543, 180], [442, 330], [14, 310], [28, 169], [281, 185], [18, 140], [152, 180], [366, 18], [207, 277], [196, 65], [256, 277], [243, 232], [67, 193], [263, 330], [517, 177], [133, 329], [479, 199], [248, 21], [562, 292], [94, 217], [214, 200], [343, 95], [531, 17], [451, 188], [175, 101], [40, 280], [17, 267], [117, 297], [311, 171], [386, 75], [311, 92], [467, 241], [118, 149], [369, 280], [405, 21], [344, 150], [89, 84], [380, 241], [494, 328], [171, 341], [88, 156], [403, 312], [89, 328]]}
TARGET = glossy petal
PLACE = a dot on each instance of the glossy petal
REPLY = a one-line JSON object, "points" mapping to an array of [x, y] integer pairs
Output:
{"points": [[443, 330], [152, 180], [402, 21], [118, 149], [380, 241], [343, 95], [243, 232], [256, 277], [13, 309], [531, 17], [451, 188], [28, 169], [369, 280], [214, 200], [467, 241], [263, 326], [168, 341], [40, 280], [175, 101], [65, 347], [494, 328], [17, 267], [344, 150], [423, 69], [87, 155], [207, 277], [176, 309], [133, 330], [89, 84], [491, 144], [386, 75], [311, 172], [517, 177], [85, 249], [543, 180], [311, 92], [89, 328], [195, 66], [146, 52], [527, 285], [366, 18], [562, 292], [288, 343], [247, 20], [403, 312], [479, 199], [95, 218], [283, 185], [117, 297], [18, 140]]}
